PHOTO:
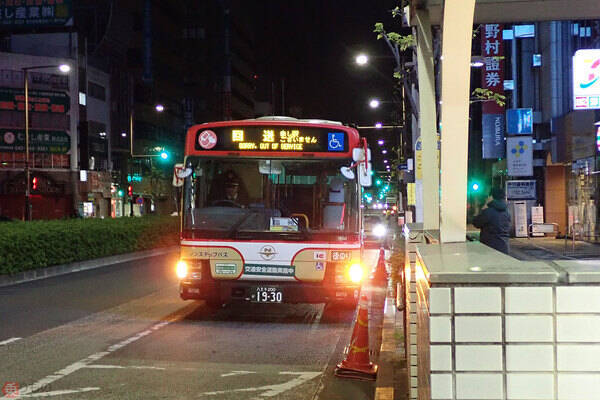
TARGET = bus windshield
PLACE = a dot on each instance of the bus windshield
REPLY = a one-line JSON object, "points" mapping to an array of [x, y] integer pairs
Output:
{"points": [[269, 199]]}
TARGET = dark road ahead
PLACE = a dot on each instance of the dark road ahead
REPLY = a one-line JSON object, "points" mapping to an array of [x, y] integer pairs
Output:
{"points": [[122, 332]]}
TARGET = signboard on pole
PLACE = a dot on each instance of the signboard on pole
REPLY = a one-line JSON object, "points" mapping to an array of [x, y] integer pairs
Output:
{"points": [[519, 156], [586, 79], [177, 170], [492, 79]]}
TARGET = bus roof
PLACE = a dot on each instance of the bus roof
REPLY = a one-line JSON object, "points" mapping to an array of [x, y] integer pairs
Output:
{"points": [[192, 146]]}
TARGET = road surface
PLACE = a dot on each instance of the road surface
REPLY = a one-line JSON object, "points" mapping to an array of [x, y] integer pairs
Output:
{"points": [[121, 332]]}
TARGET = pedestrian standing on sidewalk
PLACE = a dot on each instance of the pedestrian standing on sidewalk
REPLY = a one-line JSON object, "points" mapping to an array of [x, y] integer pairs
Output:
{"points": [[494, 221]]}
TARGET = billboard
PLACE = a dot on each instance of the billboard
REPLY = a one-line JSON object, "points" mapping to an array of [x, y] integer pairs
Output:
{"points": [[519, 121], [29, 14], [519, 156], [40, 141], [492, 79], [586, 79]]}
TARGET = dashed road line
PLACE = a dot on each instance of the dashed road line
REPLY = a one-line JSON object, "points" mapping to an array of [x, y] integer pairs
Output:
{"points": [[59, 392], [107, 366], [11, 340], [83, 363]]}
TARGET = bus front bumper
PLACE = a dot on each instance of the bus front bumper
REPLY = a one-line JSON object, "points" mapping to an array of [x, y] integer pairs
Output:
{"points": [[293, 292]]}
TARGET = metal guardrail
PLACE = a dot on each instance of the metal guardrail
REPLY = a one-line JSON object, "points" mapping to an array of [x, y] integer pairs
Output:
{"points": [[544, 228]]}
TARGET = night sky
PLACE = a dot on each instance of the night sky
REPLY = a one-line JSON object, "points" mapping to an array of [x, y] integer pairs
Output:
{"points": [[311, 44]]}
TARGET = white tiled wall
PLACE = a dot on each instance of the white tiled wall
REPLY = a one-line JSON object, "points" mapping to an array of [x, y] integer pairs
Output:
{"points": [[515, 343], [478, 358], [530, 357], [530, 386]]}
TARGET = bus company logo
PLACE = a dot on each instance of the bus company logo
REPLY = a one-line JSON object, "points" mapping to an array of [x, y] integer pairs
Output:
{"points": [[10, 390], [207, 139], [9, 137], [267, 252]]}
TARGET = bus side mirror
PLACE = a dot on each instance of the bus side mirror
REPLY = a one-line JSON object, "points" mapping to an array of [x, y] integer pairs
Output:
{"points": [[364, 174], [358, 154]]}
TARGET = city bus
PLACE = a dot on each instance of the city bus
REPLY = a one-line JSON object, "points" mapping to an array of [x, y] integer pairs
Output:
{"points": [[271, 212]]}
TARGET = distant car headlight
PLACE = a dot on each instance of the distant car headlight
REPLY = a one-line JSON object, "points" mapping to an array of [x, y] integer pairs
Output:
{"points": [[356, 273], [181, 269], [379, 230]]}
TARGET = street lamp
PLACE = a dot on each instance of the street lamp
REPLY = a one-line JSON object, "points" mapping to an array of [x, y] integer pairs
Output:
{"points": [[64, 68], [163, 154], [362, 59], [374, 103]]}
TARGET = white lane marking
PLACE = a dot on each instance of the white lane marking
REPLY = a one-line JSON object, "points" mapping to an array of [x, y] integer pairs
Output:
{"points": [[234, 373], [106, 366], [317, 319], [11, 340], [76, 366], [60, 392], [273, 390]]}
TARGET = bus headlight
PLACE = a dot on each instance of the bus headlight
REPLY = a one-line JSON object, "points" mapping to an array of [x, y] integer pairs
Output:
{"points": [[355, 273], [182, 269], [379, 230]]}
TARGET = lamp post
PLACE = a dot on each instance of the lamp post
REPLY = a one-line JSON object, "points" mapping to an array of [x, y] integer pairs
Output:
{"points": [[159, 108], [64, 68]]}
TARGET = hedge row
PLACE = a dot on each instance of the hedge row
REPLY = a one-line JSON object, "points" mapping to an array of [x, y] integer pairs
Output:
{"points": [[38, 244]]}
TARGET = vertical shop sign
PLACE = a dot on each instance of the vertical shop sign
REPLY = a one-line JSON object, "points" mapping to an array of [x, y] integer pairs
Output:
{"points": [[492, 78], [519, 156]]}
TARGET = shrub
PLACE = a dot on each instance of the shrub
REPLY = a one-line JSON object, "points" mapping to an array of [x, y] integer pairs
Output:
{"points": [[38, 244]]}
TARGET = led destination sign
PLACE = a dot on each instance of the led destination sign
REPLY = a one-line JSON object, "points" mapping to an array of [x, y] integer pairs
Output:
{"points": [[271, 138]]}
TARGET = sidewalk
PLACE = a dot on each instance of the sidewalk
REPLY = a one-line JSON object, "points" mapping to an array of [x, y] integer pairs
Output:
{"points": [[549, 248]]}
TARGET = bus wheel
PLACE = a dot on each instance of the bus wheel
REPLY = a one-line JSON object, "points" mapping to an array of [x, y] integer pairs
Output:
{"points": [[214, 303]]}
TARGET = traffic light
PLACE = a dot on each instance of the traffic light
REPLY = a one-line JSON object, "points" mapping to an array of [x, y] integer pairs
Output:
{"points": [[164, 155], [120, 192], [34, 183], [130, 191], [475, 186]]}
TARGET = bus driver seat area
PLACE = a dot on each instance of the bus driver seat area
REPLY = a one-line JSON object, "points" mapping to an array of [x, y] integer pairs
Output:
{"points": [[334, 208]]}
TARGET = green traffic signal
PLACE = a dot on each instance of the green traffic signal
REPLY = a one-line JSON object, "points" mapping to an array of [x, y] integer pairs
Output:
{"points": [[378, 182], [475, 187], [164, 155]]}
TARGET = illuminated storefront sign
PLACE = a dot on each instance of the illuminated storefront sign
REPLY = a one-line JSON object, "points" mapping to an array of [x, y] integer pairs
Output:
{"points": [[272, 138], [586, 79], [30, 14], [40, 141], [39, 101]]}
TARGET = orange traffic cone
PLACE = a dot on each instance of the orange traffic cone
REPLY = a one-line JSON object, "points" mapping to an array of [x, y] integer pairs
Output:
{"points": [[380, 276], [357, 364]]}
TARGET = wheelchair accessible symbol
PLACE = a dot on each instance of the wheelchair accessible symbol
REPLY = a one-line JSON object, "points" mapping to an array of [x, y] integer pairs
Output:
{"points": [[335, 141]]}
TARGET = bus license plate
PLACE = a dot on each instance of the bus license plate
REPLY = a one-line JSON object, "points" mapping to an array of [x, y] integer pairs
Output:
{"points": [[264, 294]]}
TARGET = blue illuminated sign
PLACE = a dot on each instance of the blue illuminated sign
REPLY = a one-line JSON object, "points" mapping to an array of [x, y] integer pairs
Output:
{"points": [[335, 141]]}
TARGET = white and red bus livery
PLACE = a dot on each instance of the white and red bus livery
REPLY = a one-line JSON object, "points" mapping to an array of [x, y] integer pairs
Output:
{"points": [[271, 211]]}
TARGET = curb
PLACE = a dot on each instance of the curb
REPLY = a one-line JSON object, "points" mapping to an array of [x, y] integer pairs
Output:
{"points": [[392, 360], [384, 385], [49, 272]]}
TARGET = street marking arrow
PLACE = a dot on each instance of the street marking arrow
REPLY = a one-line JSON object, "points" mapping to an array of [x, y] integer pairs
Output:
{"points": [[273, 390]]}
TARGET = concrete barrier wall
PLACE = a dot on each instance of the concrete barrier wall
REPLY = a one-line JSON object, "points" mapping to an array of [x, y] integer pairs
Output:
{"points": [[508, 334]]}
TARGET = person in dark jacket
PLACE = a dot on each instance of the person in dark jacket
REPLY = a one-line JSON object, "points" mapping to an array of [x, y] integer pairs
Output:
{"points": [[494, 222]]}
